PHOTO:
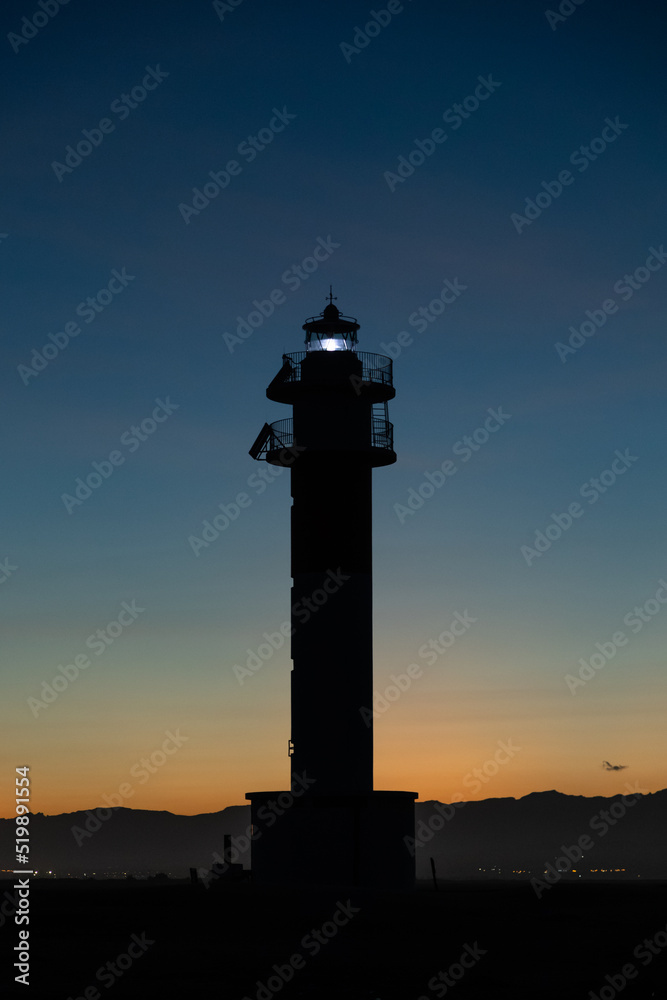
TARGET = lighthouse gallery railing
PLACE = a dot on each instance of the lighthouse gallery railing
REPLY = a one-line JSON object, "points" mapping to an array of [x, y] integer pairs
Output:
{"points": [[375, 367]]}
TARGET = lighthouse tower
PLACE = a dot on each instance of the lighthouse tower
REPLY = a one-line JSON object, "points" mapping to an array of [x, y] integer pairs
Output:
{"points": [[331, 827]]}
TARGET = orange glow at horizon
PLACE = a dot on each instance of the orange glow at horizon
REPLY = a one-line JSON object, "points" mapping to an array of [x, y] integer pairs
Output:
{"points": [[482, 766]]}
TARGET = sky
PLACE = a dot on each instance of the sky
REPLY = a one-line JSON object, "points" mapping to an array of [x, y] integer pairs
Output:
{"points": [[483, 186]]}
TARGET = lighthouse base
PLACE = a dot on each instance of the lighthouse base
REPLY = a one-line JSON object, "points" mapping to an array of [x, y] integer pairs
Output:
{"points": [[346, 839]]}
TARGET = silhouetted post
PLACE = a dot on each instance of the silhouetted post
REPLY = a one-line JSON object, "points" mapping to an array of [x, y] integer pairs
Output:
{"points": [[227, 848], [435, 881]]}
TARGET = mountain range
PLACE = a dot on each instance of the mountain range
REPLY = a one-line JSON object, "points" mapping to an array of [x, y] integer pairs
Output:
{"points": [[503, 837]]}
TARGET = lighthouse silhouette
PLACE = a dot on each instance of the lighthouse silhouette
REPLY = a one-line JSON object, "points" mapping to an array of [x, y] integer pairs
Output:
{"points": [[331, 827]]}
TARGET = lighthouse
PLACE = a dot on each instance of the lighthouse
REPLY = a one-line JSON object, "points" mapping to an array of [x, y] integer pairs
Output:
{"points": [[331, 826]]}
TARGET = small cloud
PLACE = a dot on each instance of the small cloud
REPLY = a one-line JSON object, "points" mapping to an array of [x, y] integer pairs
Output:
{"points": [[613, 767]]}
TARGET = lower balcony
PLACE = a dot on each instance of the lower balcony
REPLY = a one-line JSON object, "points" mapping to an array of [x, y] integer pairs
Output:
{"points": [[275, 444]]}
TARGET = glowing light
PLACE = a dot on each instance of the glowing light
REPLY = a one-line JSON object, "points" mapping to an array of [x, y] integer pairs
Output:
{"points": [[333, 344]]}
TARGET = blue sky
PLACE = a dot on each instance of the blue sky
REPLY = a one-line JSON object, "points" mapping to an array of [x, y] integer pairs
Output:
{"points": [[321, 181]]}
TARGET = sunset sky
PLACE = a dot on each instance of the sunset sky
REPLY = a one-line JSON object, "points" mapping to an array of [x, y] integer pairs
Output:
{"points": [[568, 115]]}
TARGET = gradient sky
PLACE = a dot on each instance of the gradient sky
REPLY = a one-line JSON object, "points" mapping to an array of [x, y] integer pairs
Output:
{"points": [[162, 337]]}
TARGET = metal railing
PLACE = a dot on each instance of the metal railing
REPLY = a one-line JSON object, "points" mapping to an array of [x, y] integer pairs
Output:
{"points": [[375, 367], [273, 437], [382, 433], [280, 435]]}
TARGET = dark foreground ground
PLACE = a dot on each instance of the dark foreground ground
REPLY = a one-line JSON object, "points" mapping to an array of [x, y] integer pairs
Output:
{"points": [[223, 942]]}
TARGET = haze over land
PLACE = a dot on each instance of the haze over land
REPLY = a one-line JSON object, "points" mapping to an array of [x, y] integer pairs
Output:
{"points": [[487, 839]]}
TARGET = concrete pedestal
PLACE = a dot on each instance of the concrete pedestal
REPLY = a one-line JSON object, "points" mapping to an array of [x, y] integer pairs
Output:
{"points": [[347, 839]]}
